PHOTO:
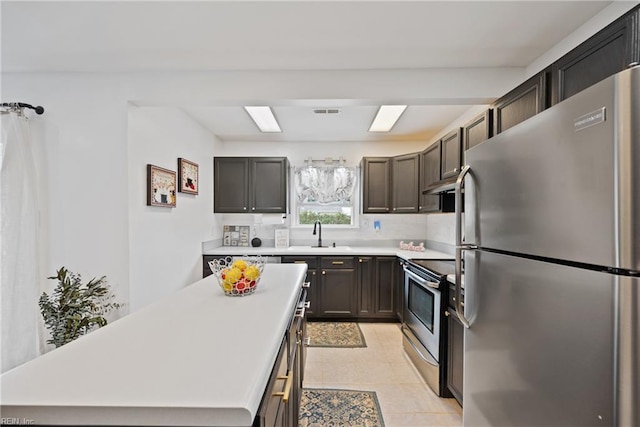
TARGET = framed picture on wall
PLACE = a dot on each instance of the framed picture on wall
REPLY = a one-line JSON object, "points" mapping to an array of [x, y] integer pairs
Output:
{"points": [[161, 187], [187, 176]]}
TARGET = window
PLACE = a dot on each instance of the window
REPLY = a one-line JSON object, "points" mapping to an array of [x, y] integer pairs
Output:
{"points": [[325, 193]]}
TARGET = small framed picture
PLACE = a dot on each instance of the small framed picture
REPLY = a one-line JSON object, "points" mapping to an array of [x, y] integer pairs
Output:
{"points": [[187, 176], [161, 187]]}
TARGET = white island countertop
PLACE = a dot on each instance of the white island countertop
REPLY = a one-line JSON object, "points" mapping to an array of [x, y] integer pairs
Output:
{"points": [[196, 358]]}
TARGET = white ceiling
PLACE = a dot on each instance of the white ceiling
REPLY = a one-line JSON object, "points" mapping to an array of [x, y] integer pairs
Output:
{"points": [[291, 35]]}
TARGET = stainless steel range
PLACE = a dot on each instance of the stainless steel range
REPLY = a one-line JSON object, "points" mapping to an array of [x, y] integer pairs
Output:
{"points": [[423, 328]]}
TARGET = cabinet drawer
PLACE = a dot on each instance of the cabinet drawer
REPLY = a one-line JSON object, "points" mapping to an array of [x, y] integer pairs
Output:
{"points": [[311, 261], [338, 262]]}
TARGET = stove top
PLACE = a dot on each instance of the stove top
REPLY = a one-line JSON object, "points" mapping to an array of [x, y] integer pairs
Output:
{"points": [[438, 267]]}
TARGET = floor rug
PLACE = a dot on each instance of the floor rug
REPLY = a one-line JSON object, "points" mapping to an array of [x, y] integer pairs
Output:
{"points": [[335, 334], [345, 408]]}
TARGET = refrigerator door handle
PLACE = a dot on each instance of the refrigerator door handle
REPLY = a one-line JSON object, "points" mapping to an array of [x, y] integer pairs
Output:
{"points": [[460, 246]]}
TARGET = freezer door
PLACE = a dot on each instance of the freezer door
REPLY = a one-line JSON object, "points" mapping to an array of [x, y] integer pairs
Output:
{"points": [[540, 349], [564, 184]]}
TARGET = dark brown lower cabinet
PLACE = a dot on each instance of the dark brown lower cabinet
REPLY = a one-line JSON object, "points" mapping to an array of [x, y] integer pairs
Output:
{"points": [[346, 287], [272, 409], [281, 401], [337, 290], [384, 292], [376, 287], [365, 280], [399, 289], [455, 355]]}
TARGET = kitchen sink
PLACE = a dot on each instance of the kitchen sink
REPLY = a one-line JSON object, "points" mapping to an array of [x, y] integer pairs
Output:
{"points": [[319, 249]]}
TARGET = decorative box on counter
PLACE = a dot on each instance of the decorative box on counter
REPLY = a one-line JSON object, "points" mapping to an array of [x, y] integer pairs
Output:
{"points": [[235, 235]]}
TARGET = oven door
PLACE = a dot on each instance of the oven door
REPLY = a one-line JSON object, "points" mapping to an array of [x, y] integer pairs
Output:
{"points": [[422, 311]]}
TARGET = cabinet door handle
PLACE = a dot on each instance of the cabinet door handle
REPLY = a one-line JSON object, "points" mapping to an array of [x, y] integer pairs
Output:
{"points": [[337, 262], [287, 387], [253, 209], [394, 209], [244, 208], [324, 272], [313, 273], [306, 284], [447, 314], [301, 310], [386, 209], [360, 260]]}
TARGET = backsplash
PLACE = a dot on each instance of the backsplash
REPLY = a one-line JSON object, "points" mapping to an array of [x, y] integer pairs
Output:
{"points": [[441, 228], [437, 231]]}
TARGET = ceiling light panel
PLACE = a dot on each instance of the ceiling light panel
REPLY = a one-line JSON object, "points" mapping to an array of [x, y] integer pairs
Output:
{"points": [[263, 118], [387, 116]]}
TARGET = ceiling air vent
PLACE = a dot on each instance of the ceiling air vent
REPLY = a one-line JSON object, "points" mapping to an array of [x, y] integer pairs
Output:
{"points": [[326, 110]]}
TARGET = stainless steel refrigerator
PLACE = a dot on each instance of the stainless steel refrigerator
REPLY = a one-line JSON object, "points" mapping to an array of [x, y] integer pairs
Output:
{"points": [[551, 255]]}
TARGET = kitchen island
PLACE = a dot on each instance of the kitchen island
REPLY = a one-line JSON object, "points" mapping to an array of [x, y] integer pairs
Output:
{"points": [[196, 358]]}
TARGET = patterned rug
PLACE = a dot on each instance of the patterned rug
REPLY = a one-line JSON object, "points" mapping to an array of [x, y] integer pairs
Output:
{"points": [[335, 334], [345, 408]]}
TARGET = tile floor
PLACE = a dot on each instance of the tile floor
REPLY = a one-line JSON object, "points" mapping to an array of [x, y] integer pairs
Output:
{"points": [[405, 399]]}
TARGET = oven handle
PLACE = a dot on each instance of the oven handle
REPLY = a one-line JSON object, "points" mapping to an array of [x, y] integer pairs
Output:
{"points": [[460, 246], [415, 347], [421, 280]]}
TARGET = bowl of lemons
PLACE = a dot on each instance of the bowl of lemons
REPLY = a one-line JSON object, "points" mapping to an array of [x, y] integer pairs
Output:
{"points": [[238, 276]]}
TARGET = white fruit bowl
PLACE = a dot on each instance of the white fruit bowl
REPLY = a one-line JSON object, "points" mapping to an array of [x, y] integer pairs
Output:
{"points": [[238, 276]]}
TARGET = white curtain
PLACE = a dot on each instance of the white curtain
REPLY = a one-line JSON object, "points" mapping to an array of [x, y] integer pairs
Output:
{"points": [[19, 241], [325, 184]]}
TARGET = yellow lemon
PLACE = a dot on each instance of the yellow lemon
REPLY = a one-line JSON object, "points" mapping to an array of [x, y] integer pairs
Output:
{"points": [[227, 286], [240, 264], [252, 272], [233, 275]]}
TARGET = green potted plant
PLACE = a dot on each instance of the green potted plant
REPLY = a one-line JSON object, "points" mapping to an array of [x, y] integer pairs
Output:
{"points": [[74, 309]]}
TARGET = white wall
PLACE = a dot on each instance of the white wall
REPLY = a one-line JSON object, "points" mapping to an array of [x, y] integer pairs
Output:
{"points": [[165, 243], [298, 152], [83, 135]]}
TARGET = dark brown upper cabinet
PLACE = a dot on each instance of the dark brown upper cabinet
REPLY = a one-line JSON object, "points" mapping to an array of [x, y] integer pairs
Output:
{"points": [[613, 49], [429, 174], [405, 183], [376, 185], [250, 184], [526, 100], [451, 154], [269, 184], [477, 130]]}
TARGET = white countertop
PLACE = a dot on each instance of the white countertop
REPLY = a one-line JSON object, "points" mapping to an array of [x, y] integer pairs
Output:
{"points": [[338, 250], [195, 358]]}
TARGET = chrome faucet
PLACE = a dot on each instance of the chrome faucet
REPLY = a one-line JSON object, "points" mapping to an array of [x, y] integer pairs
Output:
{"points": [[319, 225]]}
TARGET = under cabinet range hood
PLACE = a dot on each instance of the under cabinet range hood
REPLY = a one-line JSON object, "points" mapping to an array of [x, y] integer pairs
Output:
{"points": [[446, 185]]}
